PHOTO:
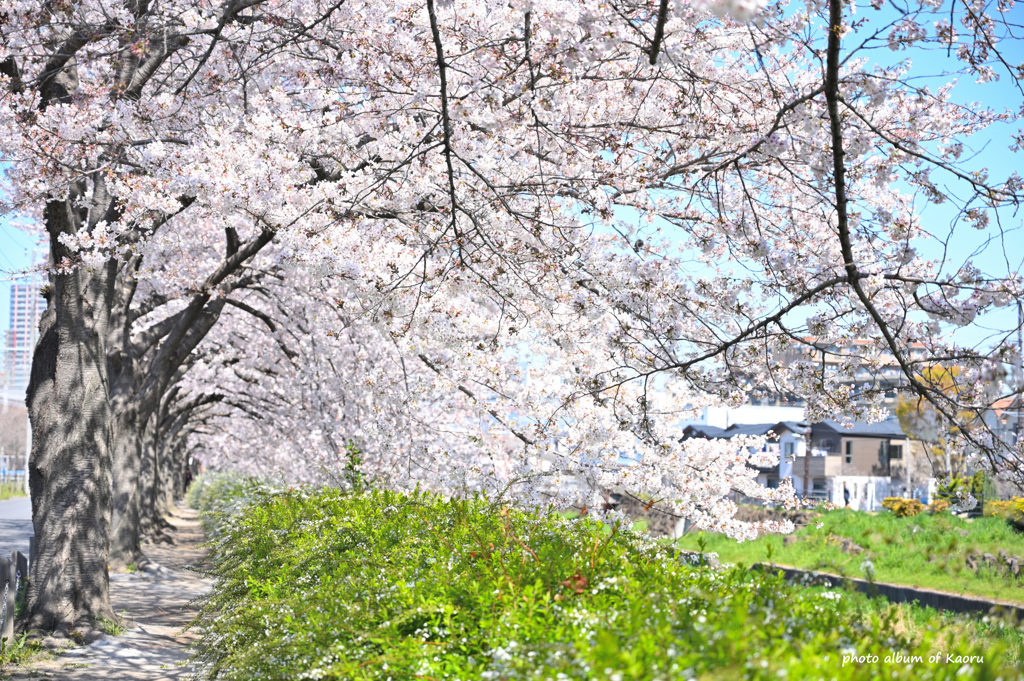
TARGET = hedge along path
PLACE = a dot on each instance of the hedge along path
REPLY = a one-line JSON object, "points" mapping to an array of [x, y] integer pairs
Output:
{"points": [[154, 604]]}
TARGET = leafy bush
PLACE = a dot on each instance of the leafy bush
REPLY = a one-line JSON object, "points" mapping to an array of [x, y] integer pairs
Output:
{"points": [[20, 650], [979, 485], [1011, 510], [902, 508], [195, 490], [380, 585], [938, 506], [998, 508], [218, 496]]}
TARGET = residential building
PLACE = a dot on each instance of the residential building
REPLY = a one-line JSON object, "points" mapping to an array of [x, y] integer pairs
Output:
{"points": [[873, 460], [786, 438], [869, 460], [27, 306], [1006, 419]]}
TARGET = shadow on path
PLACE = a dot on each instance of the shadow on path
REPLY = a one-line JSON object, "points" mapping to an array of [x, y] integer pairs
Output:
{"points": [[154, 605]]}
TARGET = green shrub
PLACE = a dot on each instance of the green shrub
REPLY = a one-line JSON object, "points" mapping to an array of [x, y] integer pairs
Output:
{"points": [[380, 585], [902, 508], [220, 495], [195, 491], [1011, 510]]}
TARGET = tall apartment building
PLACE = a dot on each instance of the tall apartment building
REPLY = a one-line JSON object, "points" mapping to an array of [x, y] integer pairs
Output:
{"points": [[27, 306]]}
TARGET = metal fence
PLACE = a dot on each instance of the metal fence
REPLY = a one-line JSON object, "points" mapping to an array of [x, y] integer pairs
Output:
{"points": [[13, 574]]}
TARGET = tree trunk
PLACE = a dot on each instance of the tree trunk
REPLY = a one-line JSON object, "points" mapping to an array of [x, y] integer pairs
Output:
{"points": [[125, 531], [154, 509], [69, 470]]}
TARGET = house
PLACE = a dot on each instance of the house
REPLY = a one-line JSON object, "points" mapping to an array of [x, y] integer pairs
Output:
{"points": [[1005, 418], [870, 460], [786, 438]]}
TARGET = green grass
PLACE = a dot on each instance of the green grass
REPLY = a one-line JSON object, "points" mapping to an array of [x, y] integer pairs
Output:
{"points": [[10, 490], [952, 628], [19, 652], [115, 627], [923, 551]]}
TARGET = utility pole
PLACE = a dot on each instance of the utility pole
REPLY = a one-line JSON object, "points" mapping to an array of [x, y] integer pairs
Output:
{"points": [[807, 463], [1020, 376]]}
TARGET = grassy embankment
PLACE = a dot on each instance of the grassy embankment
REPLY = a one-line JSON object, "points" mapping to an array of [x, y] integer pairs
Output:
{"points": [[928, 551]]}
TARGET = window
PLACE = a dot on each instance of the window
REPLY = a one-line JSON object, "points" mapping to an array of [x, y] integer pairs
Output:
{"points": [[788, 449], [895, 452], [849, 451]]}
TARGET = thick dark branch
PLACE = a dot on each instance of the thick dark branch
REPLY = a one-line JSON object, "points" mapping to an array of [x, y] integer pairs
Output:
{"points": [[659, 31], [56, 63], [156, 332], [262, 316], [833, 98], [187, 331], [231, 237], [145, 71], [446, 123], [9, 67], [235, 260]]}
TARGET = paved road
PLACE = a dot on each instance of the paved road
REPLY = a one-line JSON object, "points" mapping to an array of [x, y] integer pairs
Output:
{"points": [[15, 525]]}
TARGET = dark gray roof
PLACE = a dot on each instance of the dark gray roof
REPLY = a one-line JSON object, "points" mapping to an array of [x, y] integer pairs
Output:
{"points": [[887, 429], [753, 429], [749, 429], [890, 428], [701, 431]]}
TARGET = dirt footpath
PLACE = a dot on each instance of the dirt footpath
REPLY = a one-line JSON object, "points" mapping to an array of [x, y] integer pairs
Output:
{"points": [[153, 603]]}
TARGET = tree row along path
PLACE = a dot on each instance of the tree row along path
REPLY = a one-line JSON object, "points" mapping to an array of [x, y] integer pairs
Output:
{"points": [[154, 605]]}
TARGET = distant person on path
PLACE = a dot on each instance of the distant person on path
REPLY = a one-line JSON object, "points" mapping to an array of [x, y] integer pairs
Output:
{"points": [[846, 495]]}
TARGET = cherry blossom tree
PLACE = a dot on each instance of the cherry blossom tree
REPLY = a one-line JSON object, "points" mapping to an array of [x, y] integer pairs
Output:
{"points": [[572, 223]]}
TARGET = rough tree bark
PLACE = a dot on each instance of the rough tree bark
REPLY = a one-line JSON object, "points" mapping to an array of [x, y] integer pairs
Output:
{"points": [[69, 469]]}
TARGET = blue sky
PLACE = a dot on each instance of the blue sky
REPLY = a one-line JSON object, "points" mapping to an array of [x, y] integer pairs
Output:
{"points": [[16, 247], [1004, 253]]}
